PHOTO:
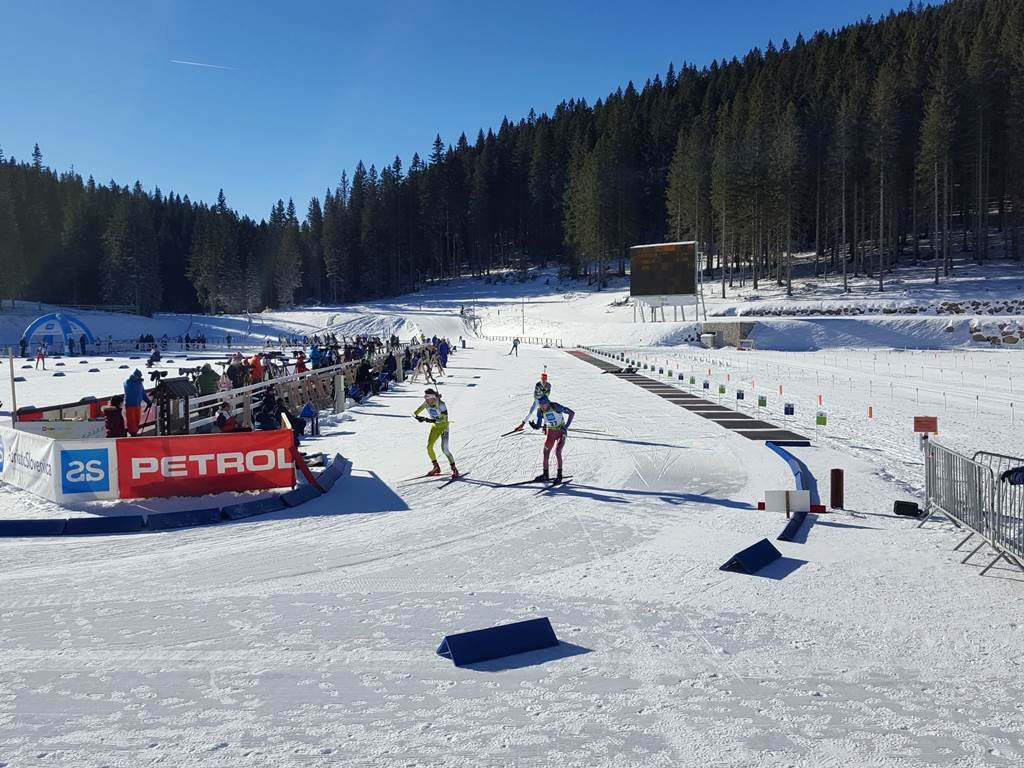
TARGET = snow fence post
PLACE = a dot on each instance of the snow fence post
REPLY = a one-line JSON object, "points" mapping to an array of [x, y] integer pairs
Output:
{"points": [[339, 392]]}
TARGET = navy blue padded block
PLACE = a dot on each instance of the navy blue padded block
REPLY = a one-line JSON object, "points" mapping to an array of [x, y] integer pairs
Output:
{"points": [[51, 527], [753, 558], [300, 495], [88, 525], [334, 471], [496, 642], [252, 508], [185, 518]]}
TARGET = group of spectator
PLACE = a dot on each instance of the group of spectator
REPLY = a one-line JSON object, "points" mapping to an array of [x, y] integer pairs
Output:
{"points": [[67, 346], [423, 356], [197, 343]]}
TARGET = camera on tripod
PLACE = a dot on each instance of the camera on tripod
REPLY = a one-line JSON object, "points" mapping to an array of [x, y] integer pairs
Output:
{"points": [[190, 371], [155, 376]]}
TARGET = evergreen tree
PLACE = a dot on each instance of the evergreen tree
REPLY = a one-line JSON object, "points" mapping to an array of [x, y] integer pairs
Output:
{"points": [[288, 265], [130, 267], [12, 275]]}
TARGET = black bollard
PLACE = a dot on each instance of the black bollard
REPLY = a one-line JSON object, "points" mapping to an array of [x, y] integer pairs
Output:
{"points": [[836, 489]]}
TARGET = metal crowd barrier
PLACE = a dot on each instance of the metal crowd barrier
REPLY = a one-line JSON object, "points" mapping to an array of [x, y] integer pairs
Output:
{"points": [[541, 341], [318, 386], [972, 493]]}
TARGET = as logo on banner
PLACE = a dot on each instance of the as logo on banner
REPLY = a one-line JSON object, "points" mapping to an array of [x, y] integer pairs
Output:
{"points": [[85, 471]]}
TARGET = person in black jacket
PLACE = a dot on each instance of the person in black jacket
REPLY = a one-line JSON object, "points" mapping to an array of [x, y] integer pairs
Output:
{"points": [[113, 418], [364, 378]]}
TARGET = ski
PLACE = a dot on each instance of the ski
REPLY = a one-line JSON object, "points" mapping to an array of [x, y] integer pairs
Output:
{"points": [[418, 478], [553, 484], [451, 480], [522, 482]]}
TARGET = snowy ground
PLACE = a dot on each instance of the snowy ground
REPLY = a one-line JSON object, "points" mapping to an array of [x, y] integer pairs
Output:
{"points": [[977, 395], [307, 637]]}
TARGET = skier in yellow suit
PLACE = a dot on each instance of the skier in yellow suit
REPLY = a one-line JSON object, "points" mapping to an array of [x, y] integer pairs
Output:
{"points": [[437, 414]]}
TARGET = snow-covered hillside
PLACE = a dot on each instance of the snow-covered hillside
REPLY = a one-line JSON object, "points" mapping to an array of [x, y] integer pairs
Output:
{"points": [[913, 312]]}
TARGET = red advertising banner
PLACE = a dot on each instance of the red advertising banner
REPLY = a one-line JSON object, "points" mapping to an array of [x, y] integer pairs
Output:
{"points": [[193, 465]]}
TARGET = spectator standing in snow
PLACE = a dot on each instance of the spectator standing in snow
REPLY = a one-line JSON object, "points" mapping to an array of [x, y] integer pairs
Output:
{"points": [[255, 369], [134, 396], [206, 381], [237, 371], [113, 419], [81, 344]]}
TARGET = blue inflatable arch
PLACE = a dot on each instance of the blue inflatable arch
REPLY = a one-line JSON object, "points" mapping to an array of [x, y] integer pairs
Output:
{"points": [[57, 325]]}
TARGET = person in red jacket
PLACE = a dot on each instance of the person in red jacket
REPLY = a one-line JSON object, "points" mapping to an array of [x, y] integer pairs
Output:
{"points": [[300, 362]]}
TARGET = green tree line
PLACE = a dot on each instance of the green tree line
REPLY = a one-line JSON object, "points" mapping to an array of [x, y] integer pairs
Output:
{"points": [[889, 142]]}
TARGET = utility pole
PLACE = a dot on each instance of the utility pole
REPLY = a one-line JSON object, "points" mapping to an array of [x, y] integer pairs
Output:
{"points": [[524, 315]]}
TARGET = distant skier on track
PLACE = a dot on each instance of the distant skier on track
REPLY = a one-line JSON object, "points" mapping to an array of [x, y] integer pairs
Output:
{"points": [[556, 420], [515, 347], [437, 416], [541, 389]]}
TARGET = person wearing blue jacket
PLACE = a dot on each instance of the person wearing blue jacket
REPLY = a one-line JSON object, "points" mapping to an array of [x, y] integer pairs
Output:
{"points": [[555, 419], [442, 353], [314, 356], [134, 396]]}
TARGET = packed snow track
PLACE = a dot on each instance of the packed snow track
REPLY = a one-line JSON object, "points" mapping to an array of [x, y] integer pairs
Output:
{"points": [[307, 637]]}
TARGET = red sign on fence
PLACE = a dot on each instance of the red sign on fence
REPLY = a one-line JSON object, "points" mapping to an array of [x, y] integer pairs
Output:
{"points": [[927, 424], [193, 465]]}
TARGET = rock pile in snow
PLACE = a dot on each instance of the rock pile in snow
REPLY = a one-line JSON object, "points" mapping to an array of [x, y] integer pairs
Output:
{"points": [[1008, 306], [995, 333]]}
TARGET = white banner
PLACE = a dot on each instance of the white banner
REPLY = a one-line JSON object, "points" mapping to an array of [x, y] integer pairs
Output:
{"points": [[65, 430], [28, 461], [86, 470]]}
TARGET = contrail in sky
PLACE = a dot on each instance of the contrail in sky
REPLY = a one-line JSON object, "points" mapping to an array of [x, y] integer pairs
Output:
{"points": [[200, 64]]}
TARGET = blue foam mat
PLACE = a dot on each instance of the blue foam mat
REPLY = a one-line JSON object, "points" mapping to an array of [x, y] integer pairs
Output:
{"points": [[187, 518], [45, 527], [252, 508], [334, 471], [94, 525], [300, 495]]}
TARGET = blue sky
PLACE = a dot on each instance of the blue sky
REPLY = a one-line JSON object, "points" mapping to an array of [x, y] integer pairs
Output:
{"points": [[311, 88]]}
